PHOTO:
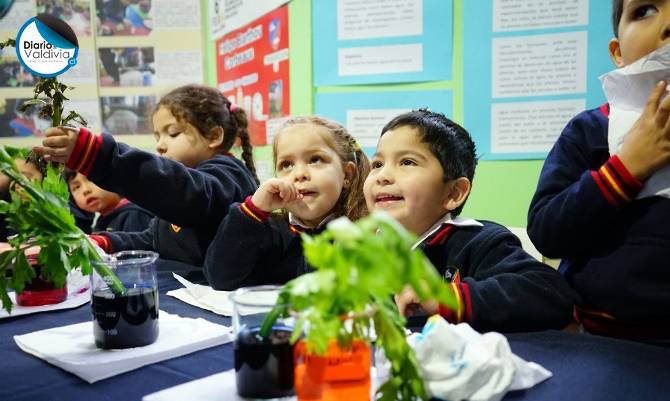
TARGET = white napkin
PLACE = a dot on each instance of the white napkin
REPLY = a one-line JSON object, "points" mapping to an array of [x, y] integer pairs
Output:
{"points": [[627, 90], [72, 348], [219, 302], [457, 363], [217, 387], [78, 293]]}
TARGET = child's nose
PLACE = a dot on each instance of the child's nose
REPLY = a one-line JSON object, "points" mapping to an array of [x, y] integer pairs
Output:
{"points": [[384, 176], [161, 148], [300, 173]]}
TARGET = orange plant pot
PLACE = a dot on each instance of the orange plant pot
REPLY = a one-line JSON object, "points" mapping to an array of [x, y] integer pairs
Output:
{"points": [[341, 374]]}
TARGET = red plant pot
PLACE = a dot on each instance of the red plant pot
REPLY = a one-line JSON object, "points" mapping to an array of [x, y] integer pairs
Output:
{"points": [[41, 292]]}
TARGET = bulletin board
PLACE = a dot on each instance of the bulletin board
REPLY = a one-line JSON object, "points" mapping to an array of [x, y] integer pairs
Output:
{"points": [[518, 70], [381, 41], [131, 53], [529, 70]]}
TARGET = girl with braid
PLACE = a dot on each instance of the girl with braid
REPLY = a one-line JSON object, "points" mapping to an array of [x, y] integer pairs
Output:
{"points": [[320, 170], [189, 186]]}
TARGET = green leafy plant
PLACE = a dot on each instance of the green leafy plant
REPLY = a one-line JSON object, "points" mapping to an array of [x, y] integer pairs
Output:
{"points": [[359, 267], [39, 212]]}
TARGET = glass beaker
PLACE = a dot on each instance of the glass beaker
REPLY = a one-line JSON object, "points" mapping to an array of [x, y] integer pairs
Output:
{"points": [[263, 365], [130, 319]]}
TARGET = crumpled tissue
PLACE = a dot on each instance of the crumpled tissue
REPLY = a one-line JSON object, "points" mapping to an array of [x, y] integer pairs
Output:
{"points": [[458, 363]]}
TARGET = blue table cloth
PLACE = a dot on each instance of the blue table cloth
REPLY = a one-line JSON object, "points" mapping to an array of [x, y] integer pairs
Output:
{"points": [[585, 367]]}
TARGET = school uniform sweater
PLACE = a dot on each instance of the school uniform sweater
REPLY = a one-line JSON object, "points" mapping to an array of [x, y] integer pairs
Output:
{"points": [[189, 203], [125, 217], [498, 285], [83, 219], [252, 247], [615, 249]]}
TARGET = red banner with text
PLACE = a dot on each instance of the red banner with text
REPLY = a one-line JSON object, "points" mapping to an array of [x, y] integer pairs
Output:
{"points": [[252, 70]]}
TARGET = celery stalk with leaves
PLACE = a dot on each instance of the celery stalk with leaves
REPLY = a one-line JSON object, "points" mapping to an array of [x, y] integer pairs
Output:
{"points": [[40, 214], [359, 267]]}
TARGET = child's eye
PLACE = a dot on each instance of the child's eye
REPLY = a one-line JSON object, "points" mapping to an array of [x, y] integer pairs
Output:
{"points": [[376, 164], [174, 134], [407, 162], [315, 159], [284, 165], [644, 11]]}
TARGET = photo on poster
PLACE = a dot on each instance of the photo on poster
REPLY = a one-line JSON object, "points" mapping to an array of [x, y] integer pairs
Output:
{"points": [[124, 17], [17, 123], [126, 66], [77, 13], [12, 72], [275, 96], [127, 115]]}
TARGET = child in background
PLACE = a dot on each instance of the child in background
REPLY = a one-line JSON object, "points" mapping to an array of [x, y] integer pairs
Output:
{"points": [[115, 213], [615, 249], [421, 174], [33, 168], [320, 172], [189, 186]]}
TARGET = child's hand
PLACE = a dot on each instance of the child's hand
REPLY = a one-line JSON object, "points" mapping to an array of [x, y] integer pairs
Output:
{"points": [[646, 147], [409, 304], [58, 144], [274, 194]]}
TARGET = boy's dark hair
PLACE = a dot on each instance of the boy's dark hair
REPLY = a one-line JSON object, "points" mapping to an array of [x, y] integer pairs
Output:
{"points": [[449, 142], [206, 108], [617, 11], [68, 175]]}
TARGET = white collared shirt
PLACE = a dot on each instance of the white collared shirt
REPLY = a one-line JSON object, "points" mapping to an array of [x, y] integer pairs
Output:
{"points": [[446, 219], [293, 220]]}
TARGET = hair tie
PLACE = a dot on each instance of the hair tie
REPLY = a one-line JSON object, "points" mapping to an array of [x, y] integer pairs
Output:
{"points": [[232, 107]]}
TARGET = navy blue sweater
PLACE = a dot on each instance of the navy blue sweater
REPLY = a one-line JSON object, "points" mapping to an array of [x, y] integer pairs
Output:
{"points": [[126, 217], [189, 203], [615, 250], [253, 248], [503, 288], [500, 287]]}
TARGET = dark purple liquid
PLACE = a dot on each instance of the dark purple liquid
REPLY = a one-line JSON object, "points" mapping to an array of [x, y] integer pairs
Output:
{"points": [[264, 367], [126, 321]]}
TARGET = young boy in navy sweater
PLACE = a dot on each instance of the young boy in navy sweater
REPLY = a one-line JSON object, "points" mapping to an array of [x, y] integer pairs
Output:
{"points": [[421, 174], [615, 249], [115, 213]]}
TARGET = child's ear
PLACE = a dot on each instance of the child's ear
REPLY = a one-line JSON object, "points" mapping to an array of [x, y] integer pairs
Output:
{"points": [[615, 52], [349, 169], [215, 137], [456, 192]]}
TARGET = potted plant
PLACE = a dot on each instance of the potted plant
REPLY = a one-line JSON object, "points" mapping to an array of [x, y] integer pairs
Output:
{"points": [[41, 217], [40, 213], [359, 267]]}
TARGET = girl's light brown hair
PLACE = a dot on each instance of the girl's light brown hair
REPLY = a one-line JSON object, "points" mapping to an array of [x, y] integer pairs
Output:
{"points": [[351, 202], [206, 108]]}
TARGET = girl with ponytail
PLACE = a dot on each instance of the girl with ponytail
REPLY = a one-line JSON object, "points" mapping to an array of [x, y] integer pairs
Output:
{"points": [[189, 186]]}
